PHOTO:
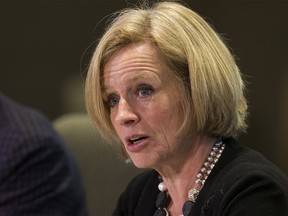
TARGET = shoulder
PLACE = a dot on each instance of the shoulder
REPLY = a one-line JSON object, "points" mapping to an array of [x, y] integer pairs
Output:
{"points": [[33, 156], [139, 183], [240, 163], [141, 179], [23, 119], [138, 194], [24, 130], [244, 181], [26, 134]]}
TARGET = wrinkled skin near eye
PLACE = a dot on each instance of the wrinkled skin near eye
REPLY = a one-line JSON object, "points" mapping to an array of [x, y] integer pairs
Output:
{"points": [[143, 91], [112, 100]]}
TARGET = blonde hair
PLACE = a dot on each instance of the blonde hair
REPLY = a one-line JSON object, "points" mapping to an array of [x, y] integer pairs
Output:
{"points": [[213, 99]]}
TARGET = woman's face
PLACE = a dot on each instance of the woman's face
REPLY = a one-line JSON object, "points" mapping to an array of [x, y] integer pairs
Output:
{"points": [[145, 104]]}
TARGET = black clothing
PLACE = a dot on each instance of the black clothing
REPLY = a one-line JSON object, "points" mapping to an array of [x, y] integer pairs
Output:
{"points": [[38, 174], [243, 182]]}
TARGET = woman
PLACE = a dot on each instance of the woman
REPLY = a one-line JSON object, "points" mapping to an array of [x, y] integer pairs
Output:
{"points": [[164, 86]]}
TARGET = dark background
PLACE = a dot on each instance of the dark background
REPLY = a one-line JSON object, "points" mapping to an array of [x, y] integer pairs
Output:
{"points": [[46, 46]]}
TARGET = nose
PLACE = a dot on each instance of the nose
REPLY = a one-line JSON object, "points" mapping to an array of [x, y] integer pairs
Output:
{"points": [[126, 115]]}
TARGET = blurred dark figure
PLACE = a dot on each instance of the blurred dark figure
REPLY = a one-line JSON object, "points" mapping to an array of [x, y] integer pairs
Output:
{"points": [[38, 176]]}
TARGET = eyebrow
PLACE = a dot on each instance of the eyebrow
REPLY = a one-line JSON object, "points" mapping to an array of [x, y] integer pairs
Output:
{"points": [[134, 79]]}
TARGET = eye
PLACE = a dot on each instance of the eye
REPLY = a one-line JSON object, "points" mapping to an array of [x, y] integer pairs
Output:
{"points": [[144, 91], [112, 100]]}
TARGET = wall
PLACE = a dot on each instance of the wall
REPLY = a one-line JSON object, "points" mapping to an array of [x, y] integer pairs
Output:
{"points": [[46, 45]]}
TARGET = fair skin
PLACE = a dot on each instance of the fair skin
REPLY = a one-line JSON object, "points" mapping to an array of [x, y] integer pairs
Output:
{"points": [[145, 110]]}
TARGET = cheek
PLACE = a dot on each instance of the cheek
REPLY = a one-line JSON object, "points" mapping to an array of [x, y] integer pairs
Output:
{"points": [[167, 114]]}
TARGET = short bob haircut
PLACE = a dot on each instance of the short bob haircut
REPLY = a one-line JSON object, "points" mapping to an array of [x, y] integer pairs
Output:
{"points": [[213, 90]]}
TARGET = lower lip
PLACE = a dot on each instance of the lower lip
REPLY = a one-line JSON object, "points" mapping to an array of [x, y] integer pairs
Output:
{"points": [[137, 146]]}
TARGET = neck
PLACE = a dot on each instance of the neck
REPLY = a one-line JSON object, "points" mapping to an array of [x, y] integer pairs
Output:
{"points": [[208, 156], [180, 178]]}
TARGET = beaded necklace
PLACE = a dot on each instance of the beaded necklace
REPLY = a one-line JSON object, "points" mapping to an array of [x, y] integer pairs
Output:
{"points": [[164, 199]]}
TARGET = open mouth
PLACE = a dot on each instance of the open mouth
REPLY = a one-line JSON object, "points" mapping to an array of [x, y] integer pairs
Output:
{"points": [[136, 140]]}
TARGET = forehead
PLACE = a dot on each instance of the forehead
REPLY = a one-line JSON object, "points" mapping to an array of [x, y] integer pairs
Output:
{"points": [[137, 59], [137, 53]]}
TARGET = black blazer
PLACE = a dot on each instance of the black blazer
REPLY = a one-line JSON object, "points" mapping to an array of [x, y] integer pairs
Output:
{"points": [[38, 176], [242, 182]]}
